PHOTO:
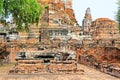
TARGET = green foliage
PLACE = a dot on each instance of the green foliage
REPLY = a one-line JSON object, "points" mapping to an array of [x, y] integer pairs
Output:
{"points": [[1, 6], [23, 12], [118, 14], [46, 6]]}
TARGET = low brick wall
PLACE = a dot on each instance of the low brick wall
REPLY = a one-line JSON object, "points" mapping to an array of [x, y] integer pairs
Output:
{"points": [[38, 66]]}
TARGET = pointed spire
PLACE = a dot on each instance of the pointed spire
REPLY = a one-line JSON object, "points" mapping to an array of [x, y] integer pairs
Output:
{"points": [[88, 14], [87, 21], [88, 11]]}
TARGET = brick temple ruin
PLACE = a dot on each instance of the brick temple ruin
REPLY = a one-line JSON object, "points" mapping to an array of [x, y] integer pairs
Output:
{"points": [[49, 40], [95, 43], [100, 47]]}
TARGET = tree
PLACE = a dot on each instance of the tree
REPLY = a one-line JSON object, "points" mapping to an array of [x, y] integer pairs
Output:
{"points": [[118, 14], [24, 12]]}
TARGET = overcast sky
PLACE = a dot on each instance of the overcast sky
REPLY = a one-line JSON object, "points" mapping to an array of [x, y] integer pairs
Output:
{"points": [[99, 8]]}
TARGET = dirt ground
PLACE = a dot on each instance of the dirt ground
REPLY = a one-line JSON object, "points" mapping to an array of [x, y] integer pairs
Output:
{"points": [[88, 74]]}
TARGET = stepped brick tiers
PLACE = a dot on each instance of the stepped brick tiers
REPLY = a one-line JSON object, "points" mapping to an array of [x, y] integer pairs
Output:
{"points": [[44, 62], [56, 21], [105, 31], [104, 28], [47, 43]]}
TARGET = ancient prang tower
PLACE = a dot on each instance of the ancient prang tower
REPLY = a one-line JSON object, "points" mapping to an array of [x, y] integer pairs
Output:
{"points": [[86, 23]]}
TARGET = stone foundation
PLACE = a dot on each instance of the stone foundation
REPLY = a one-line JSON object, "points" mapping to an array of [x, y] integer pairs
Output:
{"points": [[39, 66]]}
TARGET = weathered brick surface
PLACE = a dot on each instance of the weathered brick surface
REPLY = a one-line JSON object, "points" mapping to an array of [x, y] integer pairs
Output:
{"points": [[38, 66]]}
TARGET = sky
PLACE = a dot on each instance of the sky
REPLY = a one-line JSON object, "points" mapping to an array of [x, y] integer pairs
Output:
{"points": [[99, 8]]}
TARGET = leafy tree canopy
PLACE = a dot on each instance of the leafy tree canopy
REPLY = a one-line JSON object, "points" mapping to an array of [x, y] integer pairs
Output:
{"points": [[23, 12], [118, 13]]}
